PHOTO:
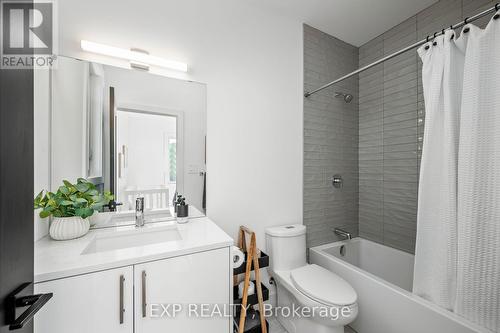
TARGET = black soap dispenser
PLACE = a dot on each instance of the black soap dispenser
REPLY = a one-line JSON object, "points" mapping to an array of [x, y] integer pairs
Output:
{"points": [[182, 211]]}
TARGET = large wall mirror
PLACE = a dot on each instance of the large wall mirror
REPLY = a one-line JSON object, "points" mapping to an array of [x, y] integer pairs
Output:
{"points": [[127, 131]]}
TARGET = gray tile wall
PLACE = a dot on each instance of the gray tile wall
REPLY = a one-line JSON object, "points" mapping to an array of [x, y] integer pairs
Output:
{"points": [[391, 120], [330, 138]]}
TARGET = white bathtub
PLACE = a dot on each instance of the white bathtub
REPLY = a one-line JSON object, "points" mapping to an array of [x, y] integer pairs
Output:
{"points": [[383, 278]]}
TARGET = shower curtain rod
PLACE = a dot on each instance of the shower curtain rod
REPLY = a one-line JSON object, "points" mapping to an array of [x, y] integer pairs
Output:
{"points": [[408, 48]]}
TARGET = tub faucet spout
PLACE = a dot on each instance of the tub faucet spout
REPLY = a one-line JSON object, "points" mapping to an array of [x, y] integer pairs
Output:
{"points": [[342, 233]]}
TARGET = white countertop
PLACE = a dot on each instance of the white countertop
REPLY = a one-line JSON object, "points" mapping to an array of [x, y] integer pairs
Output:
{"points": [[59, 259]]}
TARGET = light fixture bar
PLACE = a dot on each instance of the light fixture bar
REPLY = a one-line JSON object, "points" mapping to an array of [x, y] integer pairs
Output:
{"points": [[133, 56]]}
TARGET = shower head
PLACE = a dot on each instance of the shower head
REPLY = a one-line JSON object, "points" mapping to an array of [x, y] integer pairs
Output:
{"points": [[346, 97]]}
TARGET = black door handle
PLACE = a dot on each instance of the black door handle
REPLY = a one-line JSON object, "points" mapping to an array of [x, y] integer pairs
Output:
{"points": [[35, 303]]}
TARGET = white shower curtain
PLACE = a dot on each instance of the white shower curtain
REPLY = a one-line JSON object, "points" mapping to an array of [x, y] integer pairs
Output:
{"points": [[457, 256], [436, 246]]}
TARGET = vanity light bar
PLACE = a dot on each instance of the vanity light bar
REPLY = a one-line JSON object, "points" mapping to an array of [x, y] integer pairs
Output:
{"points": [[133, 56]]}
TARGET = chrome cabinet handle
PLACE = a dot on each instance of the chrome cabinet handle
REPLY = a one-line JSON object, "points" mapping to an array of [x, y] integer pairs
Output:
{"points": [[144, 304], [122, 305]]}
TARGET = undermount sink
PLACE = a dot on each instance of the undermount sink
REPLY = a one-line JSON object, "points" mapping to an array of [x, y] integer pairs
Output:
{"points": [[132, 238], [123, 218]]}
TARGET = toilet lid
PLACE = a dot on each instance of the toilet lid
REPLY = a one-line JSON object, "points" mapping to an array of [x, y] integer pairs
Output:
{"points": [[323, 285]]}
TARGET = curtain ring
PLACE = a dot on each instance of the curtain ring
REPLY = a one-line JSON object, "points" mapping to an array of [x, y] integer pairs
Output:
{"points": [[496, 16], [452, 35], [434, 43], [467, 29], [497, 5], [427, 41]]}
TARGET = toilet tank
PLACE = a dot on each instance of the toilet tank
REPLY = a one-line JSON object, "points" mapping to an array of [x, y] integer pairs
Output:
{"points": [[286, 246]]}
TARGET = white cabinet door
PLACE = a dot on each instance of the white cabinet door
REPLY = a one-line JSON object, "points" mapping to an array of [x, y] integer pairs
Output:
{"points": [[88, 303], [197, 279]]}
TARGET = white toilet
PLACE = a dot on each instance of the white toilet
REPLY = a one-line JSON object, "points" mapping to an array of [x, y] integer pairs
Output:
{"points": [[330, 299]]}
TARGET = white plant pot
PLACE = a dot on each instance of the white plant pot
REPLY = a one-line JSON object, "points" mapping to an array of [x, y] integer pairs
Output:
{"points": [[65, 228]]}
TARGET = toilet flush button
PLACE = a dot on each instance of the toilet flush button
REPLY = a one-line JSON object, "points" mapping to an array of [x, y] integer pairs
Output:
{"points": [[290, 230]]}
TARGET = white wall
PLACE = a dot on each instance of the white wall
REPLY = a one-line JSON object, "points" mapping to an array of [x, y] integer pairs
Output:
{"points": [[252, 63], [42, 143], [68, 123]]}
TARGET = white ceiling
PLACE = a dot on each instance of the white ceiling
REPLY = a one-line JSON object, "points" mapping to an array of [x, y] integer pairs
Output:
{"points": [[353, 21]]}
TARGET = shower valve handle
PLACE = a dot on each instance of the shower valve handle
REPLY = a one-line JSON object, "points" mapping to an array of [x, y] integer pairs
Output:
{"points": [[337, 181]]}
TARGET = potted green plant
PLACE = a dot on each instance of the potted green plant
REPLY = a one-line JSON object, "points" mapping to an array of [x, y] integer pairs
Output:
{"points": [[71, 206]]}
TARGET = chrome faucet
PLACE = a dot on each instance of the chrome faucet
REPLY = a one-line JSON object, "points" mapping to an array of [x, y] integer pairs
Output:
{"points": [[139, 212], [342, 233]]}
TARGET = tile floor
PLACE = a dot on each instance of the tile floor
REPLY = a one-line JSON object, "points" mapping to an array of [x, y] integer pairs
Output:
{"points": [[275, 327]]}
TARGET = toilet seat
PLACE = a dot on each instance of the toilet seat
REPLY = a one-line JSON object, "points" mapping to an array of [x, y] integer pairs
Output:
{"points": [[323, 286]]}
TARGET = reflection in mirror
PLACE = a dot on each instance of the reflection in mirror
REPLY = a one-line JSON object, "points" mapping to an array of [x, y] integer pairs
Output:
{"points": [[146, 141], [130, 132], [95, 116]]}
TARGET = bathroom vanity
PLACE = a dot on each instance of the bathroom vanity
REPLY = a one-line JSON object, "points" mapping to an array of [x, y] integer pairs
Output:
{"points": [[127, 279], [139, 137]]}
